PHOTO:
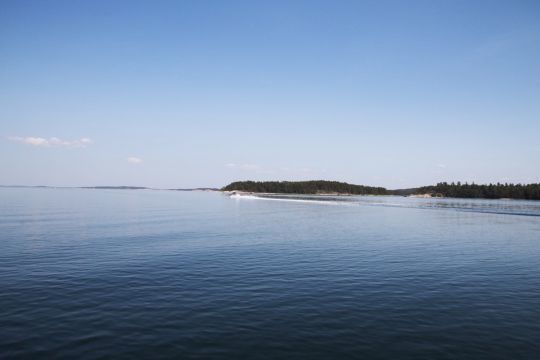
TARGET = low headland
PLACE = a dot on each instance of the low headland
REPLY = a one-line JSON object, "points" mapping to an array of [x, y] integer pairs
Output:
{"points": [[443, 189]]}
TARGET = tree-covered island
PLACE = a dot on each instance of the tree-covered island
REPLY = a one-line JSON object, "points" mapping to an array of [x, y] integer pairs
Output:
{"points": [[305, 187], [490, 191], [443, 189]]}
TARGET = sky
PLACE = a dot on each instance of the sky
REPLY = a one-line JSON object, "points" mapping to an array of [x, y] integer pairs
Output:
{"points": [[176, 94]]}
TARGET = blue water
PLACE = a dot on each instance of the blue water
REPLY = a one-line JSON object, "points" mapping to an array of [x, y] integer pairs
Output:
{"points": [[96, 274]]}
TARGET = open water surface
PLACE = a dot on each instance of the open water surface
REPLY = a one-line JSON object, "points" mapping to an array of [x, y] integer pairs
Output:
{"points": [[96, 274]]}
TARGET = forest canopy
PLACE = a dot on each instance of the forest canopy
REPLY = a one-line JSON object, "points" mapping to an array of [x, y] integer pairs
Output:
{"points": [[305, 187], [490, 191], [443, 189]]}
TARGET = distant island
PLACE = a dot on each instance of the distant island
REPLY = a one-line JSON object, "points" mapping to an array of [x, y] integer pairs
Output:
{"points": [[490, 191], [196, 189], [109, 187], [443, 189], [304, 187], [115, 187]]}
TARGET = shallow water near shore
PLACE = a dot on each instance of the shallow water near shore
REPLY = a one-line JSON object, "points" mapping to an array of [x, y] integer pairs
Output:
{"points": [[91, 274]]}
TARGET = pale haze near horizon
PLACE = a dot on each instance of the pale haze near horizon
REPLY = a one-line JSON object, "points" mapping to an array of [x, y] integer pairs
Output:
{"points": [[194, 94]]}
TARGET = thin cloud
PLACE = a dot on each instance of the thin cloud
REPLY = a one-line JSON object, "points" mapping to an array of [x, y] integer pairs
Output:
{"points": [[51, 142], [245, 167], [134, 160]]}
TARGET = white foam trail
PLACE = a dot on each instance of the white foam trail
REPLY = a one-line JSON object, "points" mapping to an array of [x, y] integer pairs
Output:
{"points": [[324, 202], [407, 205], [306, 201], [238, 196]]}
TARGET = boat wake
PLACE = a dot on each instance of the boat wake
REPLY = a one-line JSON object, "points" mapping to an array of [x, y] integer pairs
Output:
{"points": [[498, 207]]}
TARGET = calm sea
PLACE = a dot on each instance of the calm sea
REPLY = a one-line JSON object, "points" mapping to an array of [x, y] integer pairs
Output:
{"points": [[122, 274]]}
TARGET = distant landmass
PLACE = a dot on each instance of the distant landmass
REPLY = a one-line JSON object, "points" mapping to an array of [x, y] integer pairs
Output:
{"points": [[443, 189], [490, 191], [305, 187], [325, 187], [78, 187], [147, 188], [108, 187], [115, 187], [196, 189]]}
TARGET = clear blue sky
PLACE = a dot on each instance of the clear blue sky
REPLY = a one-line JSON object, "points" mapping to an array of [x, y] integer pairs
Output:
{"points": [[201, 93]]}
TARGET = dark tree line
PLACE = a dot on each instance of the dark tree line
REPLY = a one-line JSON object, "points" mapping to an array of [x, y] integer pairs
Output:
{"points": [[305, 187], [443, 189], [490, 191]]}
